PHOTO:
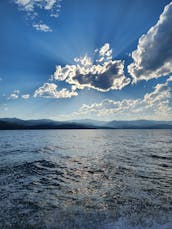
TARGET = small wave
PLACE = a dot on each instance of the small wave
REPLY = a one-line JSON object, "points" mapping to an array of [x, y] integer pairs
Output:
{"points": [[122, 223], [161, 157], [114, 183]]}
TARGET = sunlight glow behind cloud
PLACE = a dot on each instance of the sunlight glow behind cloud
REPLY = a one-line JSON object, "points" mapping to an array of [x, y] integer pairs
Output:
{"points": [[103, 74], [90, 69]]}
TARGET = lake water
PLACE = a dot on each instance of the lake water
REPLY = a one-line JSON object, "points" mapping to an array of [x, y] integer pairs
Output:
{"points": [[105, 179]]}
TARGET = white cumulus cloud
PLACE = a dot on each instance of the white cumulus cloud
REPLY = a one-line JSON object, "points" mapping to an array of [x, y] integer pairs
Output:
{"points": [[25, 96], [103, 74], [49, 90], [154, 105], [42, 27], [153, 56], [14, 95], [50, 8]]}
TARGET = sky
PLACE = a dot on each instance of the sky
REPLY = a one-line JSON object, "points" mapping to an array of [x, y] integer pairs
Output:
{"points": [[86, 59]]}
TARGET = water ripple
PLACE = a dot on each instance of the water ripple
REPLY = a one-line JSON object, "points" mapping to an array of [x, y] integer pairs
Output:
{"points": [[90, 179]]}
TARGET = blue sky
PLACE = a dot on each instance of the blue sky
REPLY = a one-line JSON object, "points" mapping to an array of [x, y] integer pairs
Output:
{"points": [[86, 59]]}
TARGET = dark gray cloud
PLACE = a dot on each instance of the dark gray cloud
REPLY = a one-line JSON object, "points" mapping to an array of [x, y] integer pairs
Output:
{"points": [[112, 78], [103, 75]]}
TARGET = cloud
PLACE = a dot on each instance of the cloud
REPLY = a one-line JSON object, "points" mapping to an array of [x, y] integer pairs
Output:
{"points": [[26, 5], [14, 95], [50, 4], [108, 107], [169, 79], [33, 5], [25, 96], [153, 56], [49, 90], [42, 27], [38, 10], [159, 96], [154, 105], [103, 74]]}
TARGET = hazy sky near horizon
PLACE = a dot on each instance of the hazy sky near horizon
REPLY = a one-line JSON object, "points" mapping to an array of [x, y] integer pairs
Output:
{"points": [[99, 59]]}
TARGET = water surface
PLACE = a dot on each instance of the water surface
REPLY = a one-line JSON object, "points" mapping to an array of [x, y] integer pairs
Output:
{"points": [[86, 179]]}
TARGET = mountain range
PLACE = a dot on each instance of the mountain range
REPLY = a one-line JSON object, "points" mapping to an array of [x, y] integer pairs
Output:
{"points": [[19, 124]]}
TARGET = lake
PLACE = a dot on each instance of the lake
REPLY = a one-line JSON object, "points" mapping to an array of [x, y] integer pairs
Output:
{"points": [[105, 179]]}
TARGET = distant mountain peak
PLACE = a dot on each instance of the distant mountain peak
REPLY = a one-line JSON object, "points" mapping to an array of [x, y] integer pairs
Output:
{"points": [[15, 123]]}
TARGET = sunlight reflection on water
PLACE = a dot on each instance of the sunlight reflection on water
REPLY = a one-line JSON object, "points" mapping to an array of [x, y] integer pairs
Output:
{"points": [[86, 179]]}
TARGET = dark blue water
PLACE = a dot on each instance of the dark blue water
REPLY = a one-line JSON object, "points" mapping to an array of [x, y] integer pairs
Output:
{"points": [[86, 179]]}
